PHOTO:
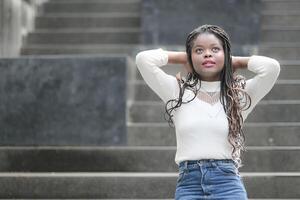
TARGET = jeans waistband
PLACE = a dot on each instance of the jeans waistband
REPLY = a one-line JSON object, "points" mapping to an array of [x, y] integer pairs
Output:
{"points": [[205, 161]]}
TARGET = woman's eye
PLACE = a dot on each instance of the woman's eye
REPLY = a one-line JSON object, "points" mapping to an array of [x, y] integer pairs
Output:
{"points": [[198, 50], [215, 49]]}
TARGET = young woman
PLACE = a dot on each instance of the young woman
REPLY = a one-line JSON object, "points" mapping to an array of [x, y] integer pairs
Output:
{"points": [[208, 108]]}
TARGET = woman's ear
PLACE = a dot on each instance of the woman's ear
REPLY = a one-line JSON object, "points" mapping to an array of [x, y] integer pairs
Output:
{"points": [[188, 67]]}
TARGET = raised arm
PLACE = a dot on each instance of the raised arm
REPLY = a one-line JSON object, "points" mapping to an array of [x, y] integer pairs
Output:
{"points": [[149, 63], [267, 71]]}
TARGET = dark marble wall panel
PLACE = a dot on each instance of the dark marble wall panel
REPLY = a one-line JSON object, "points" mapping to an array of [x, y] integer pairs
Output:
{"points": [[167, 22], [63, 101]]}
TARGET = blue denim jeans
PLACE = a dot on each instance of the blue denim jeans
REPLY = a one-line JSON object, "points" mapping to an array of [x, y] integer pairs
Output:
{"points": [[209, 179]]}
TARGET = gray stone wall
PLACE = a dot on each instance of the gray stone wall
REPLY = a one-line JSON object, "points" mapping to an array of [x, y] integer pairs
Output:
{"points": [[166, 22], [63, 101]]}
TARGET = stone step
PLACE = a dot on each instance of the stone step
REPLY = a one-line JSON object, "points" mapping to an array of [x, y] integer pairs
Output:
{"points": [[275, 5], [95, 1], [281, 11], [48, 49], [276, 19], [281, 34], [67, 22], [133, 159], [265, 111], [281, 51], [89, 30], [257, 134], [153, 199], [97, 36], [130, 49], [91, 6], [90, 15], [131, 185], [280, 91], [287, 27], [114, 48]]}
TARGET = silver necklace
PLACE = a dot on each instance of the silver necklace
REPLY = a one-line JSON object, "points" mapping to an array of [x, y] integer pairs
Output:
{"points": [[209, 97]]}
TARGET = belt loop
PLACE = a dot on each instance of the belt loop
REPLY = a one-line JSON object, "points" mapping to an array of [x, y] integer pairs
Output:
{"points": [[186, 166], [199, 163]]}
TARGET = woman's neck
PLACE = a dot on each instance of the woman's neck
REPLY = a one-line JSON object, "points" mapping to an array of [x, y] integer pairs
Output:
{"points": [[210, 86]]}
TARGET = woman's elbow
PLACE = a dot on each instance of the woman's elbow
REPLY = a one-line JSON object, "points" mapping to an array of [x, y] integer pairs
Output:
{"points": [[275, 67], [139, 58]]}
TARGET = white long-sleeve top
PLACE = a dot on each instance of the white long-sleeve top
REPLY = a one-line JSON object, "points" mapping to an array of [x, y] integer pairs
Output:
{"points": [[202, 128]]}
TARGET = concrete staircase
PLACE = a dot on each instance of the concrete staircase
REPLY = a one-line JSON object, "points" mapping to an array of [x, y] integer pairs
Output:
{"points": [[85, 27], [145, 168]]}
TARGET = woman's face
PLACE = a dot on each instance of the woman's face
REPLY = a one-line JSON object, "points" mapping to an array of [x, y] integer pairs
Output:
{"points": [[208, 57]]}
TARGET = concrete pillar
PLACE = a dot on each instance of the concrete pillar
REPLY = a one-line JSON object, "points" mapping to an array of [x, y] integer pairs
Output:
{"points": [[10, 27], [16, 20]]}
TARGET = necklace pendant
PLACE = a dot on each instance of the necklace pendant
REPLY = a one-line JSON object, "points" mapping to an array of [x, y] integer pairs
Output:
{"points": [[209, 97]]}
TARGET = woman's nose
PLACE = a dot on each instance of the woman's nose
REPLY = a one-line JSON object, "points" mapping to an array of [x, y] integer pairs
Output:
{"points": [[207, 53]]}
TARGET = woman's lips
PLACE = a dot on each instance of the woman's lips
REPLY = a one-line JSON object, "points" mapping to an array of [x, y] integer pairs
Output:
{"points": [[208, 64]]}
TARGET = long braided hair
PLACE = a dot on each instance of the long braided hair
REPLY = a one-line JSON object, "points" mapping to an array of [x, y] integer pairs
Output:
{"points": [[232, 95]]}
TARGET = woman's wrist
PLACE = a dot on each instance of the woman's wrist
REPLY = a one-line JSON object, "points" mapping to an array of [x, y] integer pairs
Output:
{"points": [[177, 57], [239, 62]]}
